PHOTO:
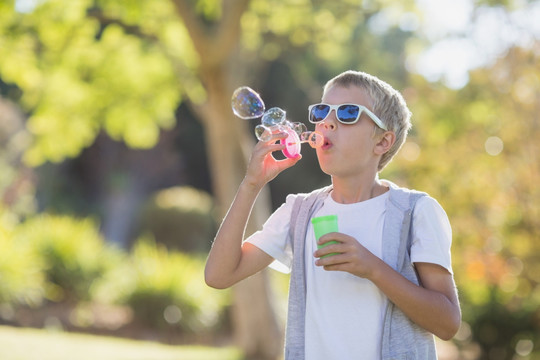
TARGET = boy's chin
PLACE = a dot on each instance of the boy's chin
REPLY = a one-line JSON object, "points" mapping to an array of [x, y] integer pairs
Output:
{"points": [[327, 170]]}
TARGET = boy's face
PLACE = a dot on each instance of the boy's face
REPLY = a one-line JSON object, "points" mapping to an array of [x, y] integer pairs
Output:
{"points": [[348, 150]]}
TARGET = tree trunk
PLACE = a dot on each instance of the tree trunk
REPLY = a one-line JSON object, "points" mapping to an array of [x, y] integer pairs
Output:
{"points": [[229, 144]]}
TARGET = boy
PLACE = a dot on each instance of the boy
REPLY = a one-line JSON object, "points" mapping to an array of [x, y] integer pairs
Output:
{"points": [[388, 285]]}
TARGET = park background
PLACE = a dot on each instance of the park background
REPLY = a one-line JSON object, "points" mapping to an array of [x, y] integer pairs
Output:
{"points": [[119, 155]]}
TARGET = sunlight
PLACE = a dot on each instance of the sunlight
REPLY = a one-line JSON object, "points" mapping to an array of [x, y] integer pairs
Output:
{"points": [[25, 6], [464, 40], [445, 17], [494, 145]]}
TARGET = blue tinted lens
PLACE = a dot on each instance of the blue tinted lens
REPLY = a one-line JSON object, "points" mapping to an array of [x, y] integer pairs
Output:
{"points": [[319, 112], [348, 113]]}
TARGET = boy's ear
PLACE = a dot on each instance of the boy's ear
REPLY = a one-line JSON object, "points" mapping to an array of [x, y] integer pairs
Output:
{"points": [[385, 142]]}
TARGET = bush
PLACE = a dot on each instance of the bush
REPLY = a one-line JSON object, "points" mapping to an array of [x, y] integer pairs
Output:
{"points": [[64, 259], [504, 326], [21, 280], [72, 252], [168, 290], [180, 218]]}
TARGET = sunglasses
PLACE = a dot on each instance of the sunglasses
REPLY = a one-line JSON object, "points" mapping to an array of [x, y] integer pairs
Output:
{"points": [[345, 113]]}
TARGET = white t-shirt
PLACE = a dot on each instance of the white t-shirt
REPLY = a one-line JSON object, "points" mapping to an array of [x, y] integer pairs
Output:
{"points": [[344, 313]]}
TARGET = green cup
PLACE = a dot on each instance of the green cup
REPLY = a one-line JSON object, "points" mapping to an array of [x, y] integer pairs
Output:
{"points": [[324, 225]]}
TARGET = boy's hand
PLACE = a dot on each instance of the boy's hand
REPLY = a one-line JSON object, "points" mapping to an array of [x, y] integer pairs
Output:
{"points": [[263, 167], [352, 256]]}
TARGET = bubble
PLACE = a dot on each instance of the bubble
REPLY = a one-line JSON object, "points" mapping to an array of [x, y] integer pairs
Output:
{"points": [[316, 139], [274, 116], [299, 128], [246, 103], [263, 133], [313, 138]]}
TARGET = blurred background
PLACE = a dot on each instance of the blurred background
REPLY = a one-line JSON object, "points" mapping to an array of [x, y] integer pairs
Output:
{"points": [[119, 156]]}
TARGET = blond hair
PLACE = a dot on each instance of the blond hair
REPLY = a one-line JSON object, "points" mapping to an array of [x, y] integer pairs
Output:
{"points": [[387, 104]]}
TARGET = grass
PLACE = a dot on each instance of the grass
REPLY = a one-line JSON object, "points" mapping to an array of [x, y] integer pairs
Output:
{"points": [[34, 344]]}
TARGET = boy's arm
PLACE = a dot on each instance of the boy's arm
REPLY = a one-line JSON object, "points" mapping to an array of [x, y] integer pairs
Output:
{"points": [[434, 305], [229, 260]]}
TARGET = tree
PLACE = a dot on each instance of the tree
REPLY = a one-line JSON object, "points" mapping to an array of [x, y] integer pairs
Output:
{"points": [[88, 66], [475, 150], [83, 67]]}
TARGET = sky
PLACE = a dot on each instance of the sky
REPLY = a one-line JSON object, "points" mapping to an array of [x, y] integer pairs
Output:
{"points": [[464, 39]]}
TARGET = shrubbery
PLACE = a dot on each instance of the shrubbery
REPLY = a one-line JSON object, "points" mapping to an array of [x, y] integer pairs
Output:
{"points": [[21, 275], [166, 289], [72, 253], [180, 218], [65, 260]]}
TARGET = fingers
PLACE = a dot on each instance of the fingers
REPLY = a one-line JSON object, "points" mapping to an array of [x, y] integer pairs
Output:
{"points": [[334, 262], [288, 162], [337, 238], [263, 167], [265, 147], [275, 137], [333, 236], [328, 246], [347, 254], [278, 135], [335, 249]]}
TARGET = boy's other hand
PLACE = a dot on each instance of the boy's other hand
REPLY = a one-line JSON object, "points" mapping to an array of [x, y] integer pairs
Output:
{"points": [[352, 256], [262, 166]]}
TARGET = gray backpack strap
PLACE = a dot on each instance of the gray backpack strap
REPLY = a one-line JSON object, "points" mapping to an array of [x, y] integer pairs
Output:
{"points": [[413, 199], [303, 204], [294, 216], [406, 230]]}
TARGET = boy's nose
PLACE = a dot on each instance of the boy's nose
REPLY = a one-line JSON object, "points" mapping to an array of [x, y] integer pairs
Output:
{"points": [[329, 125], [330, 122]]}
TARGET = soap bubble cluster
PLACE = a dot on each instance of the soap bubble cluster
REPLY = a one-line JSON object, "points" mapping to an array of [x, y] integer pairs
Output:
{"points": [[247, 104]]}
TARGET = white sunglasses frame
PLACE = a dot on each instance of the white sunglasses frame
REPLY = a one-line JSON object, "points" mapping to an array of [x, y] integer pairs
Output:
{"points": [[362, 108]]}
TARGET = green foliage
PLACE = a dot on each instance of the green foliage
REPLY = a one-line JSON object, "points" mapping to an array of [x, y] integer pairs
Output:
{"points": [[17, 189], [476, 151], [72, 252], [21, 279], [168, 290], [66, 259], [78, 77], [123, 66], [181, 218], [499, 327]]}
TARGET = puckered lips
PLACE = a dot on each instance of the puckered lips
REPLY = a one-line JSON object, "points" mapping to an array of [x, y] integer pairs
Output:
{"points": [[327, 144]]}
